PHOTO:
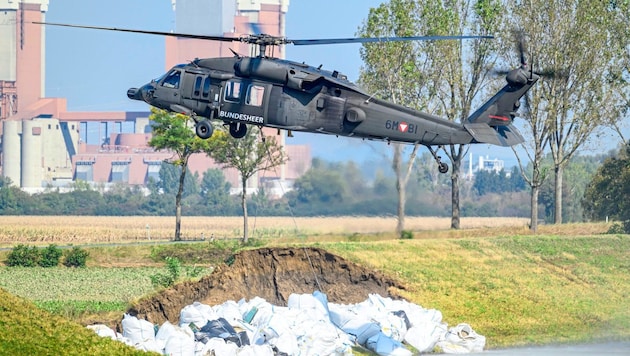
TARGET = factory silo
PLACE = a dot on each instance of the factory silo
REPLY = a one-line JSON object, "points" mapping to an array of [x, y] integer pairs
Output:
{"points": [[32, 174], [11, 151]]}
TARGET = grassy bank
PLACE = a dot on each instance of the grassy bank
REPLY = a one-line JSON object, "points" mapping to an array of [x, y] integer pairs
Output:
{"points": [[514, 288], [27, 330]]}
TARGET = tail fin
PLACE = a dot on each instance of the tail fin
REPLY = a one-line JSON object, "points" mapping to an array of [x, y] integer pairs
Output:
{"points": [[492, 122]]}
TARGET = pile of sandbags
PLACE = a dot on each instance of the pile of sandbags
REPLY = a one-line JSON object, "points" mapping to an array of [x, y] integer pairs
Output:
{"points": [[308, 325]]}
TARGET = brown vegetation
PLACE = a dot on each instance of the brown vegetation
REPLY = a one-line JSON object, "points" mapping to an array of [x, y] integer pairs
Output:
{"points": [[108, 229]]}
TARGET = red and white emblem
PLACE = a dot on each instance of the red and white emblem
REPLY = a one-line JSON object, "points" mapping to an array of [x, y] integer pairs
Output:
{"points": [[403, 126]]}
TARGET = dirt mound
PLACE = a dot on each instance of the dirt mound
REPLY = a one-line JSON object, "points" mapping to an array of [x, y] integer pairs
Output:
{"points": [[272, 274]]}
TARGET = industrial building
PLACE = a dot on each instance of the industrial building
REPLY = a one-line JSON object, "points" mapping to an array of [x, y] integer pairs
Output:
{"points": [[44, 145]]}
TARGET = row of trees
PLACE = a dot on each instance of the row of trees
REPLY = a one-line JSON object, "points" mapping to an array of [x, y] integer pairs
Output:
{"points": [[579, 46], [328, 188]]}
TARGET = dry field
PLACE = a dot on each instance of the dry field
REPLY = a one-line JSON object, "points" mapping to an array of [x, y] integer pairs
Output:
{"points": [[108, 229]]}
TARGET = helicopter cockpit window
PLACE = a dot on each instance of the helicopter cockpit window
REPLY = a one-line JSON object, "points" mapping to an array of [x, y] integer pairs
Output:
{"points": [[172, 79], [197, 90], [255, 94], [233, 91], [206, 87]]}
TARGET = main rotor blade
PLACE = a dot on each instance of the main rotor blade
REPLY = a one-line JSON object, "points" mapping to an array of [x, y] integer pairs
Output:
{"points": [[380, 39], [159, 33], [263, 39]]}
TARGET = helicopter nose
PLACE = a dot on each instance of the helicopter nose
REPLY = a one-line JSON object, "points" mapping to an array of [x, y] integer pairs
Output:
{"points": [[144, 93], [134, 93]]}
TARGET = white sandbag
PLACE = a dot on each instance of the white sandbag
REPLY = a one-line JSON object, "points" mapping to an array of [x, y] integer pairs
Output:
{"points": [[352, 323], [140, 332], [103, 331], [462, 339], [255, 350], [229, 311], [279, 330], [320, 337], [316, 304], [286, 343], [424, 335], [386, 346], [415, 313], [218, 347], [175, 340], [180, 344], [164, 332], [392, 326], [196, 313], [257, 311]]}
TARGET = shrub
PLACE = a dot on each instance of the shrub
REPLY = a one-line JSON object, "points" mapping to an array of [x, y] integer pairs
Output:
{"points": [[168, 279], [616, 228], [406, 235], [50, 256], [23, 256], [76, 257]]}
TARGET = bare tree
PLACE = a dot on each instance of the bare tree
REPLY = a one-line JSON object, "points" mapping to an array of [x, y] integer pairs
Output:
{"points": [[460, 71], [391, 71], [448, 74]]}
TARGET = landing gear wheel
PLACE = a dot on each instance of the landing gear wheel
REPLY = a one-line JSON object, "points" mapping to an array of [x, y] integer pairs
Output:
{"points": [[204, 129], [442, 167], [238, 130]]}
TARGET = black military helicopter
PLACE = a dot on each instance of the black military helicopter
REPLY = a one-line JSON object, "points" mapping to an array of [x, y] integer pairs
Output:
{"points": [[266, 91]]}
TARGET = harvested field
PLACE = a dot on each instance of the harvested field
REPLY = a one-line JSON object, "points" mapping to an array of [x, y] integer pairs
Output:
{"points": [[108, 229]]}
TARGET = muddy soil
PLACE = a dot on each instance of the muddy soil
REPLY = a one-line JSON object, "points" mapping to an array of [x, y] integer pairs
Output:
{"points": [[272, 274]]}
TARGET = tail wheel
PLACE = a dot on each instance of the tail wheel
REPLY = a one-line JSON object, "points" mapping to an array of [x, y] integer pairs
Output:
{"points": [[238, 130], [204, 129]]}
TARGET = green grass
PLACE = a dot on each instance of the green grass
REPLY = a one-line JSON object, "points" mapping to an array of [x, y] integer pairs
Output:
{"points": [[93, 284], [514, 290], [27, 330]]}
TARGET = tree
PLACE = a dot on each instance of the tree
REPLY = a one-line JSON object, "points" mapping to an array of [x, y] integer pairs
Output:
{"points": [[215, 191], [11, 197], [606, 196], [417, 74], [457, 77], [169, 180], [248, 155], [173, 132], [567, 105], [321, 185], [392, 71]]}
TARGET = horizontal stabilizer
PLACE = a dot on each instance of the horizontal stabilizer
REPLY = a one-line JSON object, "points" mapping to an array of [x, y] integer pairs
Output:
{"points": [[498, 135]]}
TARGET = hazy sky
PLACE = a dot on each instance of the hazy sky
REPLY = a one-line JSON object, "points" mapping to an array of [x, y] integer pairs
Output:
{"points": [[93, 69]]}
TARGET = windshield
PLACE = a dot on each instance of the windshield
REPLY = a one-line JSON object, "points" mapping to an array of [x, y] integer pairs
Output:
{"points": [[172, 79], [159, 79]]}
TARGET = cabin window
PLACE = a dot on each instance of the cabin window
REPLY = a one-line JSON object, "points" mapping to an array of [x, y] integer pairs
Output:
{"points": [[233, 91], [172, 79], [255, 94], [206, 87], [197, 90]]}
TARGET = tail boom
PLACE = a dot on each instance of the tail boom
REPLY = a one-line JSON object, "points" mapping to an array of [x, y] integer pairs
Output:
{"points": [[492, 122]]}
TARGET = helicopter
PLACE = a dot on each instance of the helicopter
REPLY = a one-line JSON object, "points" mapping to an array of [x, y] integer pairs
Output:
{"points": [[271, 92]]}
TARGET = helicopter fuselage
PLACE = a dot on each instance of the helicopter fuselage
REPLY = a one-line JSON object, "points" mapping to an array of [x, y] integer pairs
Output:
{"points": [[291, 96], [270, 92]]}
